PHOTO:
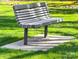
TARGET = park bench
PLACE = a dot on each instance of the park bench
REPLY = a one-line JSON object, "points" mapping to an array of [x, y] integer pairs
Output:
{"points": [[33, 15]]}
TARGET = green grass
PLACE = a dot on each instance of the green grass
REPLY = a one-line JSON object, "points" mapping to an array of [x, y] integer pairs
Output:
{"points": [[11, 32]]}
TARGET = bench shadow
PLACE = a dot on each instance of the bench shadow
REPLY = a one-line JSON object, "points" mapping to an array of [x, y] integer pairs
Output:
{"points": [[62, 49]]}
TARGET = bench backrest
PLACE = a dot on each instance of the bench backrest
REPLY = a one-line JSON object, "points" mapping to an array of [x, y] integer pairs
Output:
{"points": [[30, 11]]}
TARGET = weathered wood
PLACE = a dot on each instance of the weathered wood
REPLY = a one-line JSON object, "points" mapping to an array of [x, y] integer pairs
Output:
{"points": [[30, 11]]}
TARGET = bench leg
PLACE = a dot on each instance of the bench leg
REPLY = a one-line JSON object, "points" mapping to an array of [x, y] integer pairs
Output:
{"points": [[25, 36], [45, 31]]}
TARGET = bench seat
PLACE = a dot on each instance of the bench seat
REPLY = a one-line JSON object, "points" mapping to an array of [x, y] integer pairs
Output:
{"points": [[39, 22]]}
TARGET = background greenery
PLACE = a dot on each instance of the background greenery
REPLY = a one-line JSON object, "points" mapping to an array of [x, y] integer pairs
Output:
{"points": [[11, 32]]}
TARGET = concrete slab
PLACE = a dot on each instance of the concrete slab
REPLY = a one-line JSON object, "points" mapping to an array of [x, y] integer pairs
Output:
{"points": [[39, 43]]}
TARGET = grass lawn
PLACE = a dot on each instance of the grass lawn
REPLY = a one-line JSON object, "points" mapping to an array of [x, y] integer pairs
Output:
{"points": [[11, 32]]}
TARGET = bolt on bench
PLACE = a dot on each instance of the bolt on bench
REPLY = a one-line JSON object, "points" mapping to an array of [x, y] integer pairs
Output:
{"points": [[33, 15]]}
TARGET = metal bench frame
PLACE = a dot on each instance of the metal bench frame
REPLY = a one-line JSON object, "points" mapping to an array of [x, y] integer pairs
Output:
{"points": [[26, 34]]}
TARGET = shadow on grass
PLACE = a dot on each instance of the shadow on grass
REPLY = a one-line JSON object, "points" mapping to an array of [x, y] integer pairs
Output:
{"points": [[63, 11], [65, 34], [64, 50], [66, 24], [8, 39], [8, 22]]}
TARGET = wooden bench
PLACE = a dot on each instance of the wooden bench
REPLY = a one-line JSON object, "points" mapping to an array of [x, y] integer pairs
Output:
{"points": [[33, 15]]}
